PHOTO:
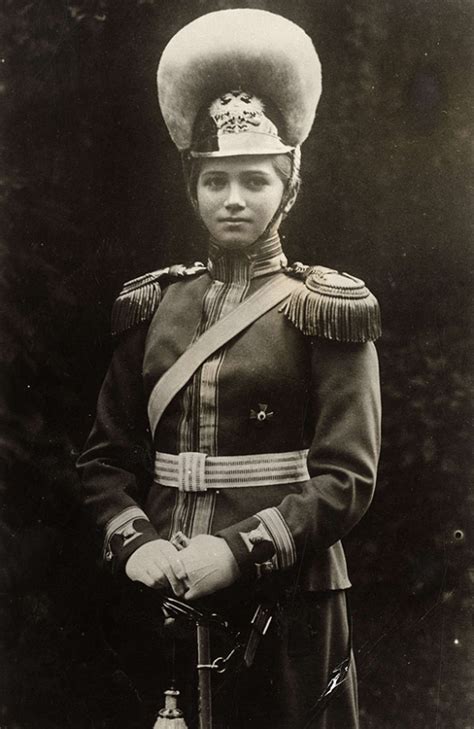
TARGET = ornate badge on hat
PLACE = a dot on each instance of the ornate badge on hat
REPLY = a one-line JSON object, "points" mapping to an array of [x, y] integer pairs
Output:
{"points": [[239, 82]]}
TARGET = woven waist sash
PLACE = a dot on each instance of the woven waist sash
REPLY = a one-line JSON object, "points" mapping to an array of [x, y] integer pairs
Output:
{"points": [[191, 471]]}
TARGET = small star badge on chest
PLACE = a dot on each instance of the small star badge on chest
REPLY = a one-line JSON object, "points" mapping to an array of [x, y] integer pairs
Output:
{"points": [[261, 415]]}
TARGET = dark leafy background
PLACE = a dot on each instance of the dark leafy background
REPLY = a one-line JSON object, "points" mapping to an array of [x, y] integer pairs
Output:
{"points": [[91, 195]]}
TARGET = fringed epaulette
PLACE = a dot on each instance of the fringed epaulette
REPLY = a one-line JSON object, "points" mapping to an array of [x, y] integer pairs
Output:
{"points": [[140, 297], [332, 305]]}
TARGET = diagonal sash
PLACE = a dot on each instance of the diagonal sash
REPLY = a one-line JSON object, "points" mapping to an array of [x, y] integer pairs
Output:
{"points": [[175, 378]]}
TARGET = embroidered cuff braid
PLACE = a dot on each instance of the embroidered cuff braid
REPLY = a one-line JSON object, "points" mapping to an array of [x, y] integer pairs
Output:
{"points": [[124, 534]]}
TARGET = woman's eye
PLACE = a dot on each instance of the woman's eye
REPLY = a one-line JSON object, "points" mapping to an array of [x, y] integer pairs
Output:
{"points": [[256, 183], [214, 183]]}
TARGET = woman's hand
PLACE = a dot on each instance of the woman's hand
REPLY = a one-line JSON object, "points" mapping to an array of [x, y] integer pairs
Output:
{"points": [[209, 565], [157, 564]]}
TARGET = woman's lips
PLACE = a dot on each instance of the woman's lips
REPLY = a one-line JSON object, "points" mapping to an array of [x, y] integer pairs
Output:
{"points": [[234, 220]]}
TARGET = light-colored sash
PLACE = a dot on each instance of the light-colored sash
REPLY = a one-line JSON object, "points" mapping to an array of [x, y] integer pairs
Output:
{"points": [[175, 378]]}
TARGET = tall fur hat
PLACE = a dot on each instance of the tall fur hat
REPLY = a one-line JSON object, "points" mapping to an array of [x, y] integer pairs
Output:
{"points": [[239, 81]]}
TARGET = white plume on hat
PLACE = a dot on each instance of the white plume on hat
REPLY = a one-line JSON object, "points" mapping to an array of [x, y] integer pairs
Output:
{"points": [[253, 50]]}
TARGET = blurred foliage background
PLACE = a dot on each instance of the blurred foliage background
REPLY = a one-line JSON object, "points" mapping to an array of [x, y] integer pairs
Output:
{"points": [[91, 195]]}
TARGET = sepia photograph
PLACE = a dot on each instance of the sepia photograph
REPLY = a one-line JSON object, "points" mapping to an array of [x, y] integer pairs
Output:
{"points": [[236, 393]]}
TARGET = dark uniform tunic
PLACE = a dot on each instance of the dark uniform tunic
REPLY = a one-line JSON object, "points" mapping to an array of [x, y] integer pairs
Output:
{"points": [[272, 389]]}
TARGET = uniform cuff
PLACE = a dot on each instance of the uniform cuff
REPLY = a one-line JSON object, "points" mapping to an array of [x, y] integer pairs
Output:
{"points": [[124, 534], [250, 547], [282, 538], [239, 548]]}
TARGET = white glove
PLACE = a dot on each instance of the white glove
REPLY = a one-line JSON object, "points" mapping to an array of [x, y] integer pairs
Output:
{"points": [[157, 564], [209, 565]]}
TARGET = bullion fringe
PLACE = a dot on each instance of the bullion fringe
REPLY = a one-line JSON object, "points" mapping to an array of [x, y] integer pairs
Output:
{"points": [[135, 305], [339, 313], [140, 297]]}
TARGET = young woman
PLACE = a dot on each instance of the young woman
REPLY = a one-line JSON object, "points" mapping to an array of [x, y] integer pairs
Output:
{"points": [[233, 474]]}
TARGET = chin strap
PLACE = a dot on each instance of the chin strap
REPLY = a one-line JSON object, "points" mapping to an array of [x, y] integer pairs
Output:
{"points": [[291, 189], [187, 165]]}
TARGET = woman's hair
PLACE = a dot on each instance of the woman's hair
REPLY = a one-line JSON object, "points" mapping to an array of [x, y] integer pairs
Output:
{"points": [[287, 167], [283, 166]]}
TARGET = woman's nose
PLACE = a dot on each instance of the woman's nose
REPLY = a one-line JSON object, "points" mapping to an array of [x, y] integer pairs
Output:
{"points": [[234, 199]]}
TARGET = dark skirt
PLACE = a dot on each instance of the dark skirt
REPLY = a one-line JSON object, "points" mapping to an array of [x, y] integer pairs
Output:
{"points": [[307, 639]]}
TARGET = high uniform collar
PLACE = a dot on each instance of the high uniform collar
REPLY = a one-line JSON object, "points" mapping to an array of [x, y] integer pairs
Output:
{"points": [[258, 259]]}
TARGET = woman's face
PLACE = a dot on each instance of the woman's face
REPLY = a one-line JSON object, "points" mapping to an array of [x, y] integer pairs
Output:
{"points": [[238, 197]]}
